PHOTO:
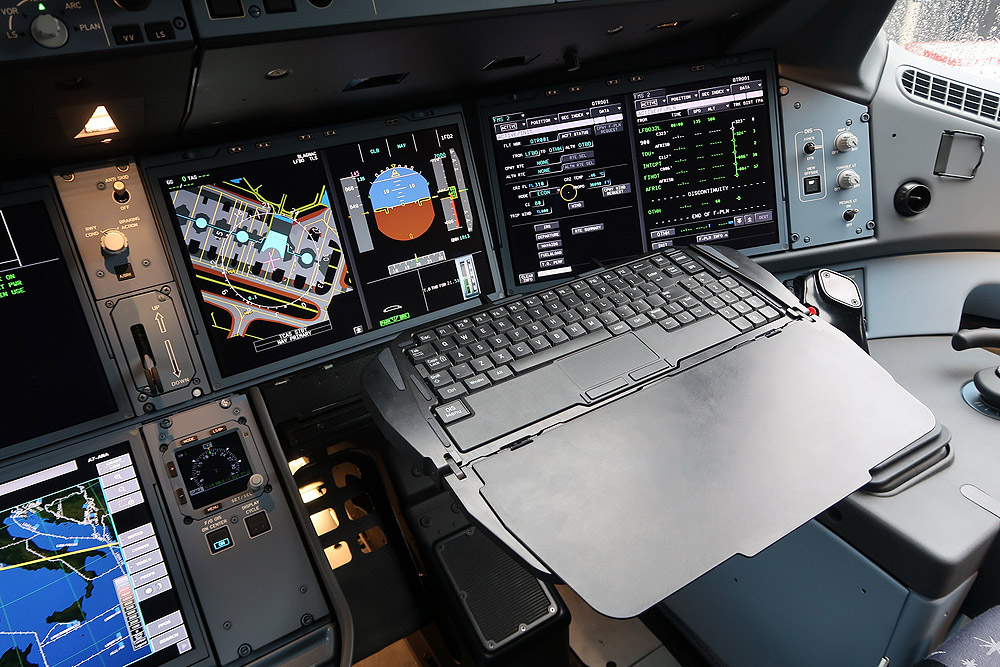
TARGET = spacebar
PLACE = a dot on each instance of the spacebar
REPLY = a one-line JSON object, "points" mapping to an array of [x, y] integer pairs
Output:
{"points": [[558, 351]]}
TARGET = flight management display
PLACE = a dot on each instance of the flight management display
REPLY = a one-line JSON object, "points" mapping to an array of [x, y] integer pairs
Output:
{"points": [[83, 581], [591, 181], [294, 253]]}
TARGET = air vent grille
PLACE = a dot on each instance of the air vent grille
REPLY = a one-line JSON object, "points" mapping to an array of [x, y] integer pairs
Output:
{"points": [[939, 90]]}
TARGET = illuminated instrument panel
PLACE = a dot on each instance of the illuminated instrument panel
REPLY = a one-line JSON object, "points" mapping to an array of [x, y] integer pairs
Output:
{"points": [[592, 180]]}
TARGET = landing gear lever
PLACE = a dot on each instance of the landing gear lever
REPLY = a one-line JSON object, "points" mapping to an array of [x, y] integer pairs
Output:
{"points": [[987, 381], [147, 358]]}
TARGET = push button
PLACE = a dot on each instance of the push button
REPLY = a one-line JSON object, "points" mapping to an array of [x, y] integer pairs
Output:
{"points": [[811, 185], [219, 540], [224, 9], [257, 524], [127, 34], [158, 32]]}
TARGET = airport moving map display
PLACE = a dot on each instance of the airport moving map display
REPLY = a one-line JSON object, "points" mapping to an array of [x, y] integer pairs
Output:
{"points": [[82, 577]]}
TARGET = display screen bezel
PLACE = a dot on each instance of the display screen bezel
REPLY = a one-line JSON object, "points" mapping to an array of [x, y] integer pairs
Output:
{"points": [[48, 458], [39, 191], [160, 167], [623, 87]]}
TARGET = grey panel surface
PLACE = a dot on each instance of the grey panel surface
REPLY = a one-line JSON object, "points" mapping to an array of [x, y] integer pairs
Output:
{"points": [[664, 484], [809, 115], [809, 599]]}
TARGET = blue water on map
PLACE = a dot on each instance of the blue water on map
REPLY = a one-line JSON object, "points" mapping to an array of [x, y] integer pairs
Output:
{"points": [[28, 597]]}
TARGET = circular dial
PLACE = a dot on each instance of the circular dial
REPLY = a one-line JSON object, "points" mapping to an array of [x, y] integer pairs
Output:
{"points": [[215, 466], [846, 141], [114, 242], [848, 179], [49, 31]]}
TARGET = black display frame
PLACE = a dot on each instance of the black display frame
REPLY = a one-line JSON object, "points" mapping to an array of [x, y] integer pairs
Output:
{"points": [[623, 87], [40, 191], [156, 168], [54, 455]]}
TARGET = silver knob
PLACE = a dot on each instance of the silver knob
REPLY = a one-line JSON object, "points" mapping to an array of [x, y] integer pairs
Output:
{"points": [[848, 179], [846, 141], [256, 481]]}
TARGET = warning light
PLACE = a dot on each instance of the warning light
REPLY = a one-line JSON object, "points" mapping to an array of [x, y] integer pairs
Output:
{"points": [[100, 123]]}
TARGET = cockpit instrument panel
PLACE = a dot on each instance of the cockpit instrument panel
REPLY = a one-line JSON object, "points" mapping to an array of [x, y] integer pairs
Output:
{"points": [[606, 170], [339, 236]]}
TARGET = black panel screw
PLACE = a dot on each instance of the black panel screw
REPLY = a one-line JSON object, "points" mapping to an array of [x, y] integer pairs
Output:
{"points": [[307, 619], [242, 420], [148, 407], [795, 237], [244, 650], [188, 521], [101, 185], [426, 521], [254, 12], [871, 224], [865, 117], [166, 423], [163, 448], [228, 625], [303, 590], [180, 23]]}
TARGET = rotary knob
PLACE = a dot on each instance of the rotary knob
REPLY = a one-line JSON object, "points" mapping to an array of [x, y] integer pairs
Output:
{"points": [[113, 242], [256, 482], [846, 141], [848, 179], [49, 31]]}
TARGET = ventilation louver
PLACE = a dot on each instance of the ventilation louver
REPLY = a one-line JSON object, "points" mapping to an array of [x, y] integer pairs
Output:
{"points": [[939, 90]]}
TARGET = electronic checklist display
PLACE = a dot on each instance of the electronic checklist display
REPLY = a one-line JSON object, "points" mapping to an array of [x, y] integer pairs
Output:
{"points": [[319, 245], [598, 173]]}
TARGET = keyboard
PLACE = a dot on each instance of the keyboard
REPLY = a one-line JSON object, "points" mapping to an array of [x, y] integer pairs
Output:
{"points": [[670, 291]]}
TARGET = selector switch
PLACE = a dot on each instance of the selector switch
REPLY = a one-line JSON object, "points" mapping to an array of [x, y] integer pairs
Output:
{"points": [[113, 242], [846, 141], [256, 482], [49, 31], [848, 179]]}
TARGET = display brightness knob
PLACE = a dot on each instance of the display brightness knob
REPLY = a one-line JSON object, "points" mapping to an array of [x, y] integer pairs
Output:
{"points": [[846, 141], [256, 481], [848, 179]]}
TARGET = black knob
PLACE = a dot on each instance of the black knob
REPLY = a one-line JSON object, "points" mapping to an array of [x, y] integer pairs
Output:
{"points": [[912, 198]]}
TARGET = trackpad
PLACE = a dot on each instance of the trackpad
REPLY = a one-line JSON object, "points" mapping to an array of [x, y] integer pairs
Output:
{"points": [[606, 361]]}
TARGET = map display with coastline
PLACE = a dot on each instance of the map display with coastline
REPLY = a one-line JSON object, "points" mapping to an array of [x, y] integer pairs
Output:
{"points": [[62, 584]]}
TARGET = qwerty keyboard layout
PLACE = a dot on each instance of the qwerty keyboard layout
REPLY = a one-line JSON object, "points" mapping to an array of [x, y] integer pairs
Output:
{"points": [[670, 290]]}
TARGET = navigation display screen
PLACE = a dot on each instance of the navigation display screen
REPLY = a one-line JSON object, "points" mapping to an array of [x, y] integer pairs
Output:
{"points": [[82, 575], [214, 470], [596, 179], [49, 346], [297, 252]]}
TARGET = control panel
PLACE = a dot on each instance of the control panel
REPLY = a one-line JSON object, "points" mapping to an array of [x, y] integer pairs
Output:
{"points": [[38, 28], [123, 258], [828, 166], [245, 555]]}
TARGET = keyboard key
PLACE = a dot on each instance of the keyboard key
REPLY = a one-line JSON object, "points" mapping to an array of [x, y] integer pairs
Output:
{"points": [[502, 357], [477, 382], [756, 302], [484, 331], [603, 304], [756, 318], [570, 316], [532, 302], [655, 300], [656, 314], [459, 355], [444, 330], [704, 277], [421, 352], [520, 319], [498, 312], [498, 342], [619, 328], [557, 337], [742, 307], [536, 329], [572, 301], [608, 318], [424, 337], [440, 379], [770, 313], [480, 318], [480, 348], [716, 288], [452, 412], [445, 344], [715, 303], [538, 312], [592, 324], [701, 292], [564, 290], [515, 307], [674, 308], [451, 391], [461, 371], [434, 364], [729, 297], [624, 312], [639, 321], [517, 335], [555, 307], [729, 282], [463, 324], [689, 302], [548, 295], [553, 322], [539, 343], [742, 292], [481, 364], [618, 299], [670, 324], [743, 324], [520, 350], [465, 338], [575, 330], [728, 313], [641, 306], [587, 310], [684, 318], [701, 311], [502, 325], [500, 373]]}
